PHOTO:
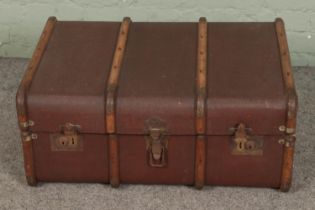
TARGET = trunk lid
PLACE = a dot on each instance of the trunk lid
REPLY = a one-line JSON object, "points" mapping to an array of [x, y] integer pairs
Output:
{"points": [[157, 79]]}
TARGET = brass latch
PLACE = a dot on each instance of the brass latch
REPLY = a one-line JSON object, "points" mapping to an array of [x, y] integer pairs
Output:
{"points": [[68, 139], [156, 148], [245, 144]]}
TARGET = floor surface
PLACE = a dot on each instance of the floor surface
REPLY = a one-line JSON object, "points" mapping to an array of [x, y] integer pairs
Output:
{"points": [[15, 194]]}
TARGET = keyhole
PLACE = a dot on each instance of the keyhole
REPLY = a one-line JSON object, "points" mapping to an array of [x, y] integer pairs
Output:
{"points": [[63, 141], [250, 145], [72, 140], [240, 145]]}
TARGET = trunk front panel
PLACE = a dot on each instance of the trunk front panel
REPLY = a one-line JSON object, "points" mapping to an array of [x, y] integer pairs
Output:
{"points": [[88, 165], [224, 168], [134, 167]]}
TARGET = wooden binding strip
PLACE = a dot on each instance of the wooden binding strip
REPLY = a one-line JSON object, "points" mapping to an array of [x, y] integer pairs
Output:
{"points": [[112, 85], [201, 75], [288, 147], [21, 99]]}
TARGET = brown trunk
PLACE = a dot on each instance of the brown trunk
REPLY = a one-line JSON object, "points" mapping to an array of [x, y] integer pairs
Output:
{"points": [[159, 103]]}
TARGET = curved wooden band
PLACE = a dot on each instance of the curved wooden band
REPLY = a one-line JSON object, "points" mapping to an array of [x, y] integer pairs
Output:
{"points": [[201, 97], [21, 99], [284, 54], [288, 149], [25, 84], [112, 85], [287, 75]]}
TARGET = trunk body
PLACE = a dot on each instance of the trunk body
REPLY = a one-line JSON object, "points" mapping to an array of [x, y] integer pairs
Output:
{"points": [[159, 103]]}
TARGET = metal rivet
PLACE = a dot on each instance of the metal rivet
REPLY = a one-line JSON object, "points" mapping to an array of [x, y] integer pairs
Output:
{"points": [[34, 136], [27, 138], [24, 124], [290, 130], [282, 128], [287, 144], [27, 124], [281, 141], [31, 123]]}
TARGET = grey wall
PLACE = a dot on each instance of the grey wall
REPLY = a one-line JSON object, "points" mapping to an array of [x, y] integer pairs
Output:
{"points": [[21, 21]]}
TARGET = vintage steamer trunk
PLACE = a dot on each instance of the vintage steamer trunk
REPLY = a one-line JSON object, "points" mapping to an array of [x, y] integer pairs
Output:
{"points": [[159, 103]]}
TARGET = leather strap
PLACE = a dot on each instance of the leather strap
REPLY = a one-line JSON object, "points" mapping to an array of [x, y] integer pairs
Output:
{"points": [[201, 97], [112, 85]]}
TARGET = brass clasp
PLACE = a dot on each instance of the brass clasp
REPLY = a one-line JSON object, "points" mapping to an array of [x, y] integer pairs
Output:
{"points": [[156, 143], [68, 139], [244, 144]]}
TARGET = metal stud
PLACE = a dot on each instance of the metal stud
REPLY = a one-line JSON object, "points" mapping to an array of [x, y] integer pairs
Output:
{"points": [[34, 136], [290, 130], [31, 123], [27, 138], [27, 124], [281, 141], [282, 128], [24, 124], [287, 144]]}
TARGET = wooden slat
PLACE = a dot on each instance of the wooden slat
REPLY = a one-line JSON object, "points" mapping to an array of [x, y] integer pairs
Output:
{"points": [[201, 84], [201, 75], [287, 75], [28, 154], [287, 166], [284, 54], [112, 82], [288, 147], [112, 85], [21, 99], [114, 160], [200, 162], [30, 72]]}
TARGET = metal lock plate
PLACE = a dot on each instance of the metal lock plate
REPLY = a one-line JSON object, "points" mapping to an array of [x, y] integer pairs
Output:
{"points": [[156, 143], [67, 140], [244, 144]]}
